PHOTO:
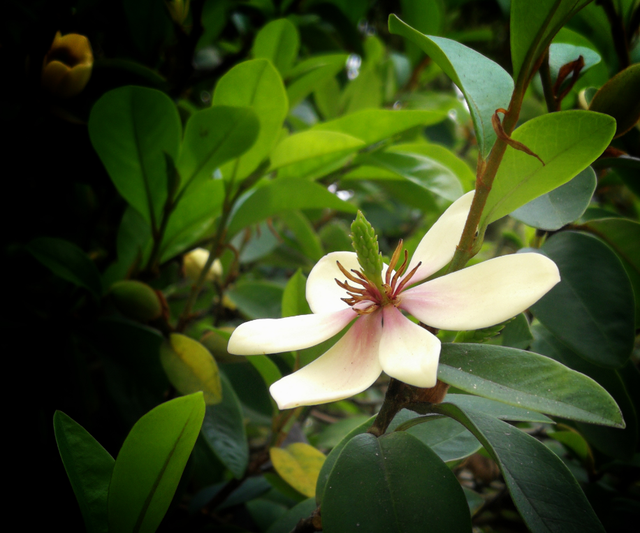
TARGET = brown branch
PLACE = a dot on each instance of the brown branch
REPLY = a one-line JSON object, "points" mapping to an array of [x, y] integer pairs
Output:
{"points": [[497, 126]]}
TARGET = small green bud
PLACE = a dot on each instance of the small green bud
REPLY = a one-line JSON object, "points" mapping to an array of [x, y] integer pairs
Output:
{"points": [[136, 300], [365, 243]]}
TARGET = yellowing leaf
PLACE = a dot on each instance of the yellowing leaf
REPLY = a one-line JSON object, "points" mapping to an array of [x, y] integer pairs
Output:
{"points": [[299, 465], [191, 368]]}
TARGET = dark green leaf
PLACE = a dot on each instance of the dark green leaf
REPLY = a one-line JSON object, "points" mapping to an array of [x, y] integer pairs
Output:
{"points": [[400, 484], [132, 128], [527, 380], [89, 467], [306, 237], [567, 142], [150, 463], [257, 299], [542, 487], [619, 98], [592, 309], [288, 521], [223, 430], [68, 261], [472, 72], [294, 301], [312, 73], [561, 206]]}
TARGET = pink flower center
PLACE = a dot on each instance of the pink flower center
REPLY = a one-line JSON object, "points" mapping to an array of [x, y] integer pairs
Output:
{"points": [[364, 296]]}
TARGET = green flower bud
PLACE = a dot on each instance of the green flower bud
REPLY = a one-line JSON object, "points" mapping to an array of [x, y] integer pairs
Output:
{"points": [[136, 300], [365, 243]]}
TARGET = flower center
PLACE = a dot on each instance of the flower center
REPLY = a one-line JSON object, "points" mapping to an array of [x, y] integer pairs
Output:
{"points": [[364, 296]]}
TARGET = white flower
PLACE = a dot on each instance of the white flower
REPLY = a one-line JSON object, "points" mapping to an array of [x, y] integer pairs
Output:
{"points": [[196, 260], [382, 338]]}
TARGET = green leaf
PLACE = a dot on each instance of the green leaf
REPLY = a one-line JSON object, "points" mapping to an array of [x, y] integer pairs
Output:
{"points": [[527, 380], [287, 522], [68, 261], [131, 129], [497, 409], [592, 309], [294, 301], [426, 17], [567, 142], [267, 369], [191, 368], [450, 440], [623, 236], [311, 74], [278, 42], [312, 144], [400, 484], [375, 125], [542, 487], [560, 206], [223, 430], [471, 72], [299, 465], [619, 98], [279, 195], [89, 467], [615, 442], [150, 463], [255, 84], [561, 53], [533, 26], [212, 137], [306, 238], [257, 299], [193, 218]]}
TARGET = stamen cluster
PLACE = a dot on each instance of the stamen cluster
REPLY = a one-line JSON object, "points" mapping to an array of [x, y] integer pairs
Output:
{"points": [[387, 294]]}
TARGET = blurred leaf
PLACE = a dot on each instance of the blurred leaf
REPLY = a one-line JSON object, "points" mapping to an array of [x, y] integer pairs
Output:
{"points": [[471, 72], [212, 137], [294, 301], [311, 74], [533, 26], [333, 433], [257, 299], [278, 42], [388, 476], [567, 142], [131, 129], [560, 206], [450, 440], [515, 334], [267, 369], [574, 441], [527, 380], [299, 465], [68, 261], [265, 512], [542, 487], [427, 17], [592, 309], [191, 368], [150, 463], [310, 145], [258, 85], [561, 53], [149, 25], [619, 98], [283, 194], [375, 125], [223, 430], [615, 442], [306, 237], [89, 467], [288, 521]]}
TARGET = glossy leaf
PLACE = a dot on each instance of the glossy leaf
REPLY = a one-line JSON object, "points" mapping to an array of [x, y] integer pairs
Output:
{"points": [[132, 129], [299, 465], [150, 463], [567, 142], [258, 85], [527, 380], [471, 72], [89, 467], [619, 98], [450, 440], [533, 26], [312, 144], [282, 195], [278, 41], [191, 368], [212, 137], [223, 430], [560, 206], [542, 487], [615, 442], [592, 309], [68, 261], [392, 484]]}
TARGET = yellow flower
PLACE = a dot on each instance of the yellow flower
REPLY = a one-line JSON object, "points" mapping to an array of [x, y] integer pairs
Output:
{"points": [[195, 261], [66, 68]]}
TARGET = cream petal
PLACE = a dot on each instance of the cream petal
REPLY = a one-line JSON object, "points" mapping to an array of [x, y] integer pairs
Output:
{"points": [[439, 243], [274, 335], [323, 293], [408, 352], [348, 368], [484, 294]]}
